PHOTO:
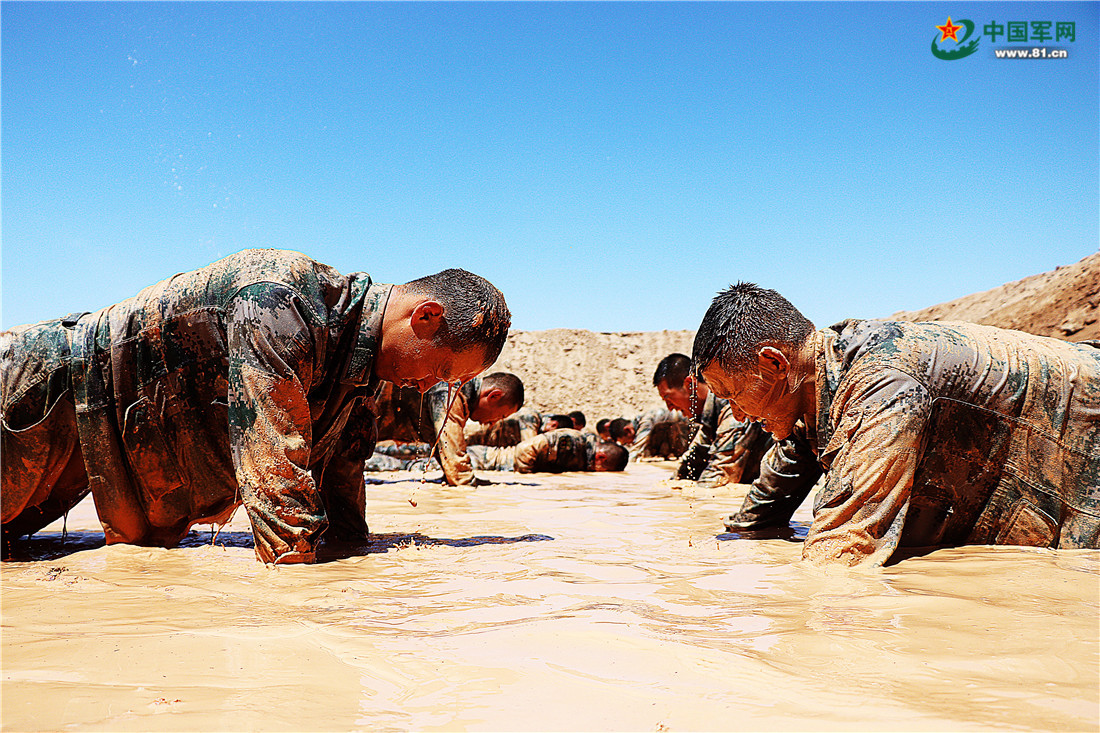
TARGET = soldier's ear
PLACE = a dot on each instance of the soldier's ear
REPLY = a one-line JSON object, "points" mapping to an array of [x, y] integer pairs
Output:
{"points": [[426, 318], [771, 362], [494, 395]]}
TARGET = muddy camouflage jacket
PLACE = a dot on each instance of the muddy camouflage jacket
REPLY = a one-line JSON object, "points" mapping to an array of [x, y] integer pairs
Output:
{"points": [[509, 431], [229, 384], [400, 419], [938, 434], [660, 433], [724, 450], [553, 452]]}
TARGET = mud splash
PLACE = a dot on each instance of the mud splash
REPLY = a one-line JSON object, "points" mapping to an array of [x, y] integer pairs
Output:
{"points": [[595, 602]]}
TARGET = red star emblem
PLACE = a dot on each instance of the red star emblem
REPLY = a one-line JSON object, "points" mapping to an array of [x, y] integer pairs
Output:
{"points": [[949, 30]]}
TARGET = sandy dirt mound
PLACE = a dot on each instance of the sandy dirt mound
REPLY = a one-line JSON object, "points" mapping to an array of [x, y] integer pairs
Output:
{"points": [[610, 374], [1064, 303], [601, 374]]}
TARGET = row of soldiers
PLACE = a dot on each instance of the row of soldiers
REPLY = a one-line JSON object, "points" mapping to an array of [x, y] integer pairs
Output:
{"points": [[260, 380], [483, 425]]}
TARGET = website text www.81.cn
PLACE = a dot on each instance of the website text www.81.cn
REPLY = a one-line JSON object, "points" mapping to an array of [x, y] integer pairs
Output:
{"points": [[1037, 52]]}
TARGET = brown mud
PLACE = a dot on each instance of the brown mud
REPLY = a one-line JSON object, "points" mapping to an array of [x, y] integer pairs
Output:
{"points": [[571, 602]]}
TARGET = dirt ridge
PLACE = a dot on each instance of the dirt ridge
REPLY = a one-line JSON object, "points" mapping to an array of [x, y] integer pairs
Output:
{"points": [[610, 374]]}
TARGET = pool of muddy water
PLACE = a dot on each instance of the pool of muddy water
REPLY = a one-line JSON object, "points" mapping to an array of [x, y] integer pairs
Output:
{"points": [[571, 602]]}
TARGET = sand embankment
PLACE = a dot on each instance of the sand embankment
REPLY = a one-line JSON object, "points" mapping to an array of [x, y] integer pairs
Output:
{"points": [[1064, 303], [601, 374], [610, 374]]}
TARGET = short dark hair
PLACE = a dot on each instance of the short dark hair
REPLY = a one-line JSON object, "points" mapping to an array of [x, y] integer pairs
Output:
{"points": [[616, 457], [672, 370], [578, 419], [509, 384], [617, 427], [474, 311], [742, 318], [602, 424], [563, 421]]}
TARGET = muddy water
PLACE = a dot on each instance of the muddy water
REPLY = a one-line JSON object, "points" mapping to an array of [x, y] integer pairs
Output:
{"points": [[576, 602]]}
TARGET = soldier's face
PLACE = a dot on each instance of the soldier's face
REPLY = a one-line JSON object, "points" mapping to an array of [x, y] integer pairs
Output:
{"points": [[421, 364], [487, 412], [754, 398], [677, 398]]}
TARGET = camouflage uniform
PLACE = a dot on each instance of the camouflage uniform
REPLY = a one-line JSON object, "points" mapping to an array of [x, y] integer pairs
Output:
{"points": [[400, 419], [724, 449], [228, 384], [938, 434], [660, 433], [512, 430], [553, 452]]}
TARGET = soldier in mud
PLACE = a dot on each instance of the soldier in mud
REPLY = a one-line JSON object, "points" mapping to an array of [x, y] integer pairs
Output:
{"points": [[603, 429], [724, 449], [556, 422], [579, 421], [553, 452], [230, 384], [512, 430], [407, 416], [932, 434], [657, 433]]}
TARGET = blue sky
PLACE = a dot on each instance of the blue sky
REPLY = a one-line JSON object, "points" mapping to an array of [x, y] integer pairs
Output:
{"points": [[608, 166]]}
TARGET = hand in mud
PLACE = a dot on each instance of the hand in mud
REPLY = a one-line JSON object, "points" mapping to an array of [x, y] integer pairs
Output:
{"points": [[478, 481]]}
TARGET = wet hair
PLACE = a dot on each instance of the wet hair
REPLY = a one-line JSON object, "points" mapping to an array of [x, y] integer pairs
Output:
{"points": [[474, 311], [509, 384], [578, 419], [672, 370], [602, 423], [617, 427], [615, 456], [741, 319]]}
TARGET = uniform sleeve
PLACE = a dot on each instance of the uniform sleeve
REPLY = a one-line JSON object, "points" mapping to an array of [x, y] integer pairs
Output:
{"points": [[787, 473], [696, 456], [270, 365], [342, 485], [530, 452], [874, 452], [637, 449], [735, 444], [529, 427], [457, 469]]}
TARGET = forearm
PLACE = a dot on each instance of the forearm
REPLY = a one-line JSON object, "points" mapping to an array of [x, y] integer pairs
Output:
{"points": [[457, 469], [787, 473]]}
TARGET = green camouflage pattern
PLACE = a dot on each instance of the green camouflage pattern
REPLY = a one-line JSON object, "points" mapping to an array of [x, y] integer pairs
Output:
{"points": [[407, 417], [724, 450], [660, 433], [555, 451], [941, 434], [225, 385], [512, 430]]}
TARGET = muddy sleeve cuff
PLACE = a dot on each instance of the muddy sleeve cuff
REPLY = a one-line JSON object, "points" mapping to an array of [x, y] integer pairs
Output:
{"points": [[457, 468], [270, 424], [787, 473], [295, 558]]}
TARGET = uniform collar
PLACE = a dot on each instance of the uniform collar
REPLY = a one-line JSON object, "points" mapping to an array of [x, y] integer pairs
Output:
{"points": [[710, 408], [368, 338], [828, 376]]}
